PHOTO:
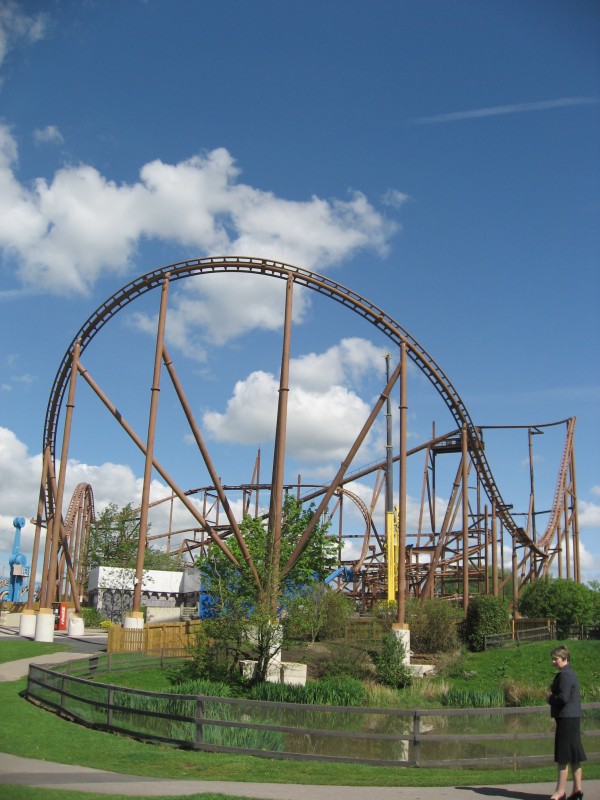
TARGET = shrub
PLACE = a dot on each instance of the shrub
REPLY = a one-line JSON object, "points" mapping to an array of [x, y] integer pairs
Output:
{"points": [[389, 663], [433, 625], [337, 613], [486, 615], [92, 618], [346, 660], [568, 602]]}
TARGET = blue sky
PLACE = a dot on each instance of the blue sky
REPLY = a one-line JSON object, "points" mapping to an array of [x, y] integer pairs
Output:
{"points": [[440, 159]]}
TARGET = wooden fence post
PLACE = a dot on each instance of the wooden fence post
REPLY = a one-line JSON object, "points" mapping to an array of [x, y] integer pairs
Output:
{"points": [[199, 718], [416, 738]]}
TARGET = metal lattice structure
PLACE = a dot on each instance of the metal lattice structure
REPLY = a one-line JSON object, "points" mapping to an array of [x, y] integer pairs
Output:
{"points": [[462, 555]]}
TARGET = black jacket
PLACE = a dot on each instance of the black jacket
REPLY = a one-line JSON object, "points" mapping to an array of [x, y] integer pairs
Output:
{"points": [[564, 697]]}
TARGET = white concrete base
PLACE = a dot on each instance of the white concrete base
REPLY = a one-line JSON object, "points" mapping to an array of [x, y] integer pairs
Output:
{"points": [[12, 619], [421, 670], [75, 625], [27, 623], [290, 672], [133, 620], [44, 625], [402, 633]]}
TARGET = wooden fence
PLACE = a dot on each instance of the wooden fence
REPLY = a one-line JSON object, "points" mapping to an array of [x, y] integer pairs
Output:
{"points": [[522, 630], [155, 636], [390, 737]]}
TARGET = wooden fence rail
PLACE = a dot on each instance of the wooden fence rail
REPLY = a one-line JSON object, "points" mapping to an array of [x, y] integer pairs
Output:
{"points": [[155, 636], [400, 737]]}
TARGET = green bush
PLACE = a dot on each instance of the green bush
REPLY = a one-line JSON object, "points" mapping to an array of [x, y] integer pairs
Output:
{"points": [[433, 625], [92, 618], [568, 602], [389, 663], [486, 615], [337, 613], [347, 660]]}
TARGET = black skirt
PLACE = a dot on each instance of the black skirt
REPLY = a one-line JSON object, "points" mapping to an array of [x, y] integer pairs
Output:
{"points": [[567, 741]]}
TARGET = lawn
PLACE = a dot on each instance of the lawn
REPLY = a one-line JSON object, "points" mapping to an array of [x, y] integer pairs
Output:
{"points": [[13, 650], [31, 732]]}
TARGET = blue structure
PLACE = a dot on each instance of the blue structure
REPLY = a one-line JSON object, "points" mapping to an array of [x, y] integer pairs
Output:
{"points": [[18, 565]]}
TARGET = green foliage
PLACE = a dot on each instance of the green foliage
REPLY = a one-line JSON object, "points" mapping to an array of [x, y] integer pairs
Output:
{"points": [[347, 660], [92, 618], [389, 663], [473, 698], [433, 625], [215, 652], [113, 542], [568, 602], [330, 691], [338, 610], [316, 613], [223, 579], [245, 609], [305, 614], [486, 615]]}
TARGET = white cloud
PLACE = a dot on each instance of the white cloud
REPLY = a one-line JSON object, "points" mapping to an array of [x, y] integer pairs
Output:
{"points": [[596, 490], [214, 309], [590, 564], [48, 135], [588, 514], [16, 27], [20, 475], [65, 233], [324, 415]]}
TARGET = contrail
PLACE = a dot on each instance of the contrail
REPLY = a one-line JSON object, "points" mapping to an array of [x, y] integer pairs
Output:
{"points": [[514, 108]]}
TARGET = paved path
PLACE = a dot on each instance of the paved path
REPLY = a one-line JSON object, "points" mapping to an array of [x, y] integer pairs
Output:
{"points": [[34, 772], [31, 772]]}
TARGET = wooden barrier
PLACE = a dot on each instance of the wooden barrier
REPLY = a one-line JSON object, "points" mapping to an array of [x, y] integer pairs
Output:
{"points": [[391, 737], [156, 636]]}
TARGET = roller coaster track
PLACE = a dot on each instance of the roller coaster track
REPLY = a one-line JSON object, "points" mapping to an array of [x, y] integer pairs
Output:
{"points": [[561, 485], [83, 497], [324, 286]]}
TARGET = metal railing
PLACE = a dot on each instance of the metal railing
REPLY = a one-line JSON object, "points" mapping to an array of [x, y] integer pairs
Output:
{"points": [[392, 737]]}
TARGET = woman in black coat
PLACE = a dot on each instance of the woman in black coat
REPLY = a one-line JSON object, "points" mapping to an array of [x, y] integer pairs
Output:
{"points": [[565, 708]]}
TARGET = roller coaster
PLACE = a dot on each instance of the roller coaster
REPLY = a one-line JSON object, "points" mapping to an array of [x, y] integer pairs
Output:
{"points": [[466, 530]]}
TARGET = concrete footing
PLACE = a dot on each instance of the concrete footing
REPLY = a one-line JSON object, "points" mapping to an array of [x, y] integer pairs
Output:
{"points": [[44, 625], [27, 623]]}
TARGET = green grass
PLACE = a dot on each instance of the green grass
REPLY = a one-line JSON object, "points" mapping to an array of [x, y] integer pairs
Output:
{"points": [[528, 666], [31, 732], [15, 650]]}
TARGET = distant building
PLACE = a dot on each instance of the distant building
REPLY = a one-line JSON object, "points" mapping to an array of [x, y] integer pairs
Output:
{"points": [[164, 594]]}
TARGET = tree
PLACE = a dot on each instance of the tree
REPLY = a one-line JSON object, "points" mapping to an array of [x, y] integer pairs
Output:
{"points": [[242, 610], [568, 602], [113, 542]]}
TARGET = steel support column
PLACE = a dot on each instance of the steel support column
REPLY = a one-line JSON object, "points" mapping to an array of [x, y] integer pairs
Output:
{"points": [[402, 488], [158, 360]]}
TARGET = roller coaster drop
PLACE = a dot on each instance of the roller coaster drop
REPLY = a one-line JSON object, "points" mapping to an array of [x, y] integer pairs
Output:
{"points": [[461, 557]]}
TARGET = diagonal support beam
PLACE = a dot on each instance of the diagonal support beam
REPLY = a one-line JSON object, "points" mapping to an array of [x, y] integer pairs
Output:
{"points": [[303, 541], [157, 466], [209, 464]]}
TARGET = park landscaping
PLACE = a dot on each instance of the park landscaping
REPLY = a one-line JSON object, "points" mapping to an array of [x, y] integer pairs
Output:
{"points": [[53, 738]]}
